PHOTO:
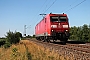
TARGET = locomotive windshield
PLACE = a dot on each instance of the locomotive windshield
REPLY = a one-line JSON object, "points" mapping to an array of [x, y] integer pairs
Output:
{"points": [[54, 19], [62, 19], [58, 19]]}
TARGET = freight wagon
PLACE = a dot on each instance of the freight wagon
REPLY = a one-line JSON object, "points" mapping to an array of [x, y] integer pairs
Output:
{"points": [[53, 27]]}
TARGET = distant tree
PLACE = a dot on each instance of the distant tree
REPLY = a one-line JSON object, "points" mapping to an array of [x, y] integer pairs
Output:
{"points": [[73, 33], [13, 37], [2, 42], [81, 33], [85, 32], [89, 34], [19, 34]]}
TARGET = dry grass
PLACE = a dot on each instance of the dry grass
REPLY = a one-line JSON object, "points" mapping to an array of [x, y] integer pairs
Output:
{"points": [[40, 53], [37, 52], [8, 54]]}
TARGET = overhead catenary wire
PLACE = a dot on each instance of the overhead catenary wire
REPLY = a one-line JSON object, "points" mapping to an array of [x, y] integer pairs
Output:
{"points": [[46, 5], [75, 6], [47, 8], [50, 6], [69, 5]]}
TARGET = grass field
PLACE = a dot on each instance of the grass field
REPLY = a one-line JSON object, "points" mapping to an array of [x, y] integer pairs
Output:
{"points": [[27, 50]]}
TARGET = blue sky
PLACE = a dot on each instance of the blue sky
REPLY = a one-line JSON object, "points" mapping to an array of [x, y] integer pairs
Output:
{"points": [[14, 14]]}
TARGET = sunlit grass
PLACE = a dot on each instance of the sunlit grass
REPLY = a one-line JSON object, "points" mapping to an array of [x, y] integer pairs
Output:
{"points": [[41, 53], [8, 54], [26, 49]]}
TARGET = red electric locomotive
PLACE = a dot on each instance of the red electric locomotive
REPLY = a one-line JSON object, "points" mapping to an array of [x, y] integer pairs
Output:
{"points": [[53, 27]]}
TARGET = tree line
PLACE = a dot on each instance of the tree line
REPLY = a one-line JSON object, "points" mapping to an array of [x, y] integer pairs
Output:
{"points": [[12, 38], [80, 33]]}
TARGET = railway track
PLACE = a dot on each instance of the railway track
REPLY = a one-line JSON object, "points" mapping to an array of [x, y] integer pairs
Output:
{"points": [[80, 47], [77, 51]]}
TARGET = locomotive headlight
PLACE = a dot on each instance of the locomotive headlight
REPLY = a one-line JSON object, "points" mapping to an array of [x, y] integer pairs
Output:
{"points": [[66, 30], [53, 26], [52, 30], [65, 26]]}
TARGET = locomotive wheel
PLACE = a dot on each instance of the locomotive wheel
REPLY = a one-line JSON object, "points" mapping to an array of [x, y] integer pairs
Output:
{"points": [[45, 39]]}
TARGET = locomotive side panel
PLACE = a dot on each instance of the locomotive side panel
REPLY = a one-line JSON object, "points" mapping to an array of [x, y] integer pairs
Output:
{"points": [[48, 27], [43, 27]]}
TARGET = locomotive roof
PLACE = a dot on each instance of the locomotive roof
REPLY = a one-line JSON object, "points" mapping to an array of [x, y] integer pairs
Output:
{"points": [[53, 15], [59, 14]]}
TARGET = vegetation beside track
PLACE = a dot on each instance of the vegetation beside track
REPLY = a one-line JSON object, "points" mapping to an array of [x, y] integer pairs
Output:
{"points": [[10, 38], [27, 50], [81, 33]]}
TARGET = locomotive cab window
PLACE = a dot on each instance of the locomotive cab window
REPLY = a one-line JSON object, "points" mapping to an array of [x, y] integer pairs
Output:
{"points": [[58, 19], [54, 18], [62, 19]]}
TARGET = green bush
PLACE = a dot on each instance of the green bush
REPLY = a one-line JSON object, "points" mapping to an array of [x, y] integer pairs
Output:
{"points": [[13, 38], [7, 45], [2, 42]]}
